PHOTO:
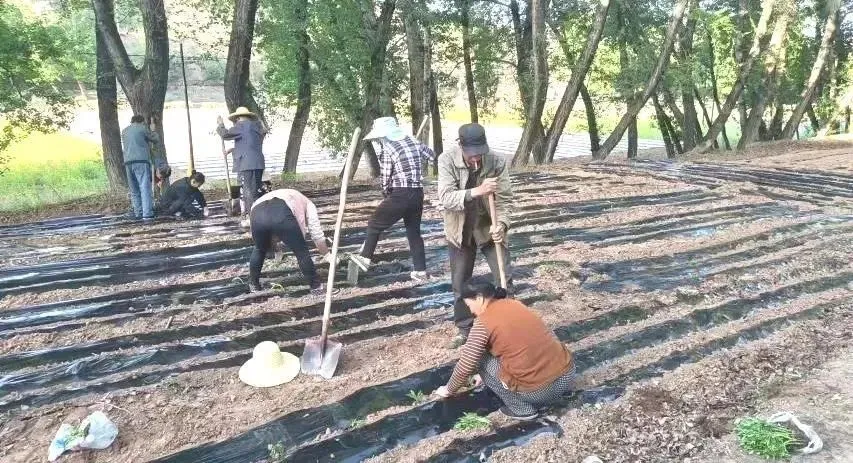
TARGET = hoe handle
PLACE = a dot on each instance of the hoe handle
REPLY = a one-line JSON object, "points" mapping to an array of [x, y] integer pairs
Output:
{"points": [[499, 247]]}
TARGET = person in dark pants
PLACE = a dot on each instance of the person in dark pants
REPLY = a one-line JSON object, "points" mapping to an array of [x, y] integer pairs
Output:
{"points": [[248, 157], [136, 150], [286, 215], [184, 199], [402, 159], [467, 176], [518, 358]]}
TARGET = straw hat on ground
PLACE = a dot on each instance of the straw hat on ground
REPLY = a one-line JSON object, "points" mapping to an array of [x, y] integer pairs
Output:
{"points": [[269, 366], [242, 111], [386, 127]]}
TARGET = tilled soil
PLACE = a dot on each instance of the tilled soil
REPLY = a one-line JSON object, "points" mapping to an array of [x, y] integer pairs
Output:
{"points": [[662, 279]]}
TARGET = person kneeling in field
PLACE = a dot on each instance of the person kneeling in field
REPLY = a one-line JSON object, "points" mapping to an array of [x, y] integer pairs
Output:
{"points": [[286, 215], [517, 356], [184, 199]]}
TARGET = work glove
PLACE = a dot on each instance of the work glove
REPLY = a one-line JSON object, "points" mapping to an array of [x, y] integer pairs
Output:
{"points": [[328, 259], [498, 233]]}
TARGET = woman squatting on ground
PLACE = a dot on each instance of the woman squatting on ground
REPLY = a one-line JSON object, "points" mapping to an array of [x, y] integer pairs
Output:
{"points": [[518, 357]]}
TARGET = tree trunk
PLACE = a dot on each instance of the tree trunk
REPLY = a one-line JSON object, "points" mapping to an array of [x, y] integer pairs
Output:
{"points": [[704, 113], [746, 69], [774, 132], [576, 85], [670, 103], [379, 29], [773, 67], [532, 137], [591, 122], [431, 99], [437, 141], [107, 91], [237, 92], [523, 47], [303, 91], [464, 11], [415, 47], [809, 93], [691, 120], [740, 51], [660, 67], [714, 88], [813, 120], [145, 87], [632, 139], [663, 126]]}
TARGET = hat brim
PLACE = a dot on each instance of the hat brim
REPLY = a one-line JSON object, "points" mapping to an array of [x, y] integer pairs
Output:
{"points": [[475, 150], [395, 134], [256, 375], [246, 114]]}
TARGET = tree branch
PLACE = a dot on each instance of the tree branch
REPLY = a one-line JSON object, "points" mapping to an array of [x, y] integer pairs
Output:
{"points": [[105, 21]]}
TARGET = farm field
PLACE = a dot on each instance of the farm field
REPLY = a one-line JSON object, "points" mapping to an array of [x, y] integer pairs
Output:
{"points": [[693, 293]]}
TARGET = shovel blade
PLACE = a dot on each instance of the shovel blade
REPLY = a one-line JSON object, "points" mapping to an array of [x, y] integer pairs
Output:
{"points": [[317, 360], [352, 273]]}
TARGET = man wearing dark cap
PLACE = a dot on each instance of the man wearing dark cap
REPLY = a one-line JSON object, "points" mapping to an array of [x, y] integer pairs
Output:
{"points": [[467, 175]]}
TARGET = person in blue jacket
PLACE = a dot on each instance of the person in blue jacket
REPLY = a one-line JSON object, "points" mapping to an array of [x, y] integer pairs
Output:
{"points": [[248, 134]]}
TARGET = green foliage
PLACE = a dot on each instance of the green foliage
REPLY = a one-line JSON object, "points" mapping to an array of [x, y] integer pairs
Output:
{"points": [[767, 440], [31, 62], [277, 452], [471, 422], [418, 397], [357, 423]]}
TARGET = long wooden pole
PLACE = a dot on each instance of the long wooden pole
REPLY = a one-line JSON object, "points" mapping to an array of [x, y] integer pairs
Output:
{"points": [[191, 166]]}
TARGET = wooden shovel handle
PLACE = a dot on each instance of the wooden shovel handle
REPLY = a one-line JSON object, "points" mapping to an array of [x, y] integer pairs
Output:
{"points": [[499, 247], [330, 284], [227, 169]]}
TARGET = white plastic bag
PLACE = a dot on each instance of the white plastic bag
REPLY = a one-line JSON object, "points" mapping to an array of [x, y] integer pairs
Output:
{"points": [[96, 431], [815, 443]]}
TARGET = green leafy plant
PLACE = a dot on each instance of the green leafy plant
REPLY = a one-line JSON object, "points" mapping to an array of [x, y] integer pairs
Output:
{"points": [[277, 452], [357, 423], [767, 440], [277, 287], [472, 421], [418, 397]]}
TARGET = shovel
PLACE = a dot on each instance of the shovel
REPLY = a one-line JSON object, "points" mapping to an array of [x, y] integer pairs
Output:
{"points": [[321, 355], [499, 248]]}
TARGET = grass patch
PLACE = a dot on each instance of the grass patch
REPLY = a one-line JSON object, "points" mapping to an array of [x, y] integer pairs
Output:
{"points": [[471, 422], [418, 397], [357, 423], [46, 169], [767, 440]]}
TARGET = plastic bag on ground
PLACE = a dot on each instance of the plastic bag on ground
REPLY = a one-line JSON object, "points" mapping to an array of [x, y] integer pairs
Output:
{"points": [[815, 443], [96, 431]]}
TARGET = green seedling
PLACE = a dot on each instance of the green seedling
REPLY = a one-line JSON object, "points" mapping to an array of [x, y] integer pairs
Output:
{"points": [[767, 440], [418, 397], [357, 423], [238, 280], [472, 421], [277, 287], [277, 452]]}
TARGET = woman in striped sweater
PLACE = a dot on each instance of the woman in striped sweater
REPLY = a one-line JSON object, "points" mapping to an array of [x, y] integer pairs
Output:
{"points": [[517, 356]]}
